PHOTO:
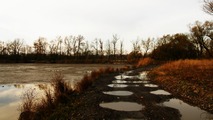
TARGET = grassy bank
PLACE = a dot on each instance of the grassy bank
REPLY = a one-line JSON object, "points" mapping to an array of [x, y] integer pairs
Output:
{"points": [[189, 79]]}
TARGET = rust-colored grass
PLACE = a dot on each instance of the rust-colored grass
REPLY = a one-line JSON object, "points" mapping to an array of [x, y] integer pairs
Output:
{"points": [[87, 80], [145, 62], [190, 79]]}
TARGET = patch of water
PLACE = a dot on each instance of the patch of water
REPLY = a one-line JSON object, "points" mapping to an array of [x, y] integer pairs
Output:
{"points": [[121, 77], [122, 106], [138, 81], [150, 85], [160, 92], [119, 93], [118, 85], [121, 85], [123, 81], [187, 111], [10, 99], [119, 81], [143, 75]]}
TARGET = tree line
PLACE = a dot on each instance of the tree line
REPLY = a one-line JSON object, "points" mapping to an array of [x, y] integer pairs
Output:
{"points": [[198, 43]]}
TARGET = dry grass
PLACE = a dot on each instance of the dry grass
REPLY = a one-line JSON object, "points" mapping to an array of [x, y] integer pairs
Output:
{"points": [[87, 80], [190, 79], [34, 108], [144, 62]]}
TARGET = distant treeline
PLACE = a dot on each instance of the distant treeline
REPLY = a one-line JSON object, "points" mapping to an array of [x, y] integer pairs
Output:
{"points": [[75, 49]]}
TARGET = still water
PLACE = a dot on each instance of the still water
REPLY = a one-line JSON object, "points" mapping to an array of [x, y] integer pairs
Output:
{"points": [[15, 79]]}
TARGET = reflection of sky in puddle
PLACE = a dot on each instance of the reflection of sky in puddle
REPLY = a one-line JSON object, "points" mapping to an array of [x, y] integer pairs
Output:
{"points": [[160, 92], [121, 85], [150, 85], [10, 99], [119, 81], [119, 93], [123, 81], [122, 106], [117, 85], [188, 112], [121, 77], [143, 75]]}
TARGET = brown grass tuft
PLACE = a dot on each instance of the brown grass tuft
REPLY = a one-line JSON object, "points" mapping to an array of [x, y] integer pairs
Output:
{"points": [[87, 80], [144, 62]]}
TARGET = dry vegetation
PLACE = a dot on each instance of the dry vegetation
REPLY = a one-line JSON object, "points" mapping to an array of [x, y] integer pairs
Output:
{"points": [[189, 79], [38, 108], [145, 62]]}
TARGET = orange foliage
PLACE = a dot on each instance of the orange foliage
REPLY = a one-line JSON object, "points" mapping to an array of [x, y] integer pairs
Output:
{"points": [[145, 62]]}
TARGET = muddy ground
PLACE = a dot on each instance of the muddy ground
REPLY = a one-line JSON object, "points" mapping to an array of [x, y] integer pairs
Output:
{"points": [[87, 105]]}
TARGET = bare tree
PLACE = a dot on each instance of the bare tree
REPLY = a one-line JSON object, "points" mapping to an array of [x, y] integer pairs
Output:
{"points": [[86, 50], [136, 46], [68, 44], [114, 42], [121, 48], [60, 41], [74, 45], [108, 49], [199, 34], [53, 47], [80, 44], [14, 47], [2, 48], [147, 45], [101, 47], [208, 6], [40, 46], [95, 45]]}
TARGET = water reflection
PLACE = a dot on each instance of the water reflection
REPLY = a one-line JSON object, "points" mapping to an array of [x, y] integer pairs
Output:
{"points": [[10, 99], [188, 112], [143, 75], [150, 85], [122, 106], [121, 85], [124, 81], [160, 92], [119, 93], [118, 85]]}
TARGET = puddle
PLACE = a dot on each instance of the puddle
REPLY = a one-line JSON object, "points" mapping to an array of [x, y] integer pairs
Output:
{"points": [[121, 77], [121, 85], [118, 85], [119, 81], [187, 111], [143, 75], [160, 92], [150, 85], [138, 81], [122, 106], [119, 93], [123, 81]]}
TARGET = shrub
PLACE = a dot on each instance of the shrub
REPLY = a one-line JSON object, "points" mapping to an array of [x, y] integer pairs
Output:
{"points": [[145, 62]]}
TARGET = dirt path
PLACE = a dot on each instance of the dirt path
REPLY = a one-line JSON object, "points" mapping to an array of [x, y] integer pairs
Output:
{"points": [[123, 96]]}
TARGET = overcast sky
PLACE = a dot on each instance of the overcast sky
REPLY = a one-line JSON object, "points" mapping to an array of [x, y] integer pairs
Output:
{"points": [[129, 19]]}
